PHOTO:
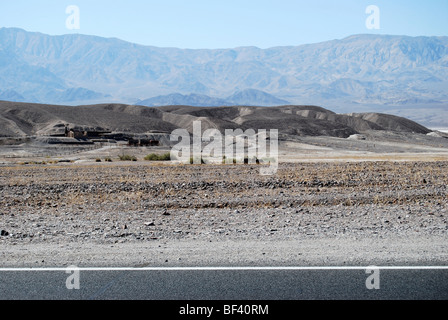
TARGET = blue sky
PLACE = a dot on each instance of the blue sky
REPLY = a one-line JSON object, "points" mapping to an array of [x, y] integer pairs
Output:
{"points": [[227, 23]]}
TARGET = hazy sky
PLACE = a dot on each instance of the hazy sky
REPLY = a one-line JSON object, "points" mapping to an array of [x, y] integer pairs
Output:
{"points": [[227, 23]]}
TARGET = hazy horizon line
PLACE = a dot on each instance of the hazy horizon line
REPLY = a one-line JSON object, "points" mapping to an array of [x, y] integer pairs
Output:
{"points": [[226, 48]]}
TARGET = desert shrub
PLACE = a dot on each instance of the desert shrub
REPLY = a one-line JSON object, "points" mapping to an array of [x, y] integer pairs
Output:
{"points": [[97, 160], [158, 157], [224, 160], [192, 160], [126, 157], [108, 159], [268, 160], [254, 160], [245, 160]]}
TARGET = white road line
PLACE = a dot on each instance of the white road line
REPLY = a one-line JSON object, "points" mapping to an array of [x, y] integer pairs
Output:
{"points": [[323, 268]]}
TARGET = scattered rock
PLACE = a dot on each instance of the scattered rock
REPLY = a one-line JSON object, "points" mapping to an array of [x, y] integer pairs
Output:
{"points": [[300, 210], [357, 137]]}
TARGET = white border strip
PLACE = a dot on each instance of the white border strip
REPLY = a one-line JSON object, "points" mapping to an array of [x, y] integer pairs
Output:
{"points": [[222, 268]]}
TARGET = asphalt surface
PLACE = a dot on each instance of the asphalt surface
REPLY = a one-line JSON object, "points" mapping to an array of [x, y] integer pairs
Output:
{"points": [[224, 284]]}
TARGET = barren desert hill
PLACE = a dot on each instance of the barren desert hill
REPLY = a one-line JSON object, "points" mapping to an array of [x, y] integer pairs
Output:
{"points": [[25, 119], [254, 117], [305, 119], [391, 122], [21, 119]]}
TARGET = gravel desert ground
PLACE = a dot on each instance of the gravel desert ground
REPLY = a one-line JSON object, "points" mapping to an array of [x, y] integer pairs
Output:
{"points": [[350, 189], [312, 212]]}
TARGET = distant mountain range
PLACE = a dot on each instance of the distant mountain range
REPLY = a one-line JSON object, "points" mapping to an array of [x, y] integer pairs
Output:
{"points": [[248, 97], [353, 74]]}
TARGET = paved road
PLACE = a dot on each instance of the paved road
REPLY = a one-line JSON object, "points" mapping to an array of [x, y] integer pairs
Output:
{"points": [[224, 284]]}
